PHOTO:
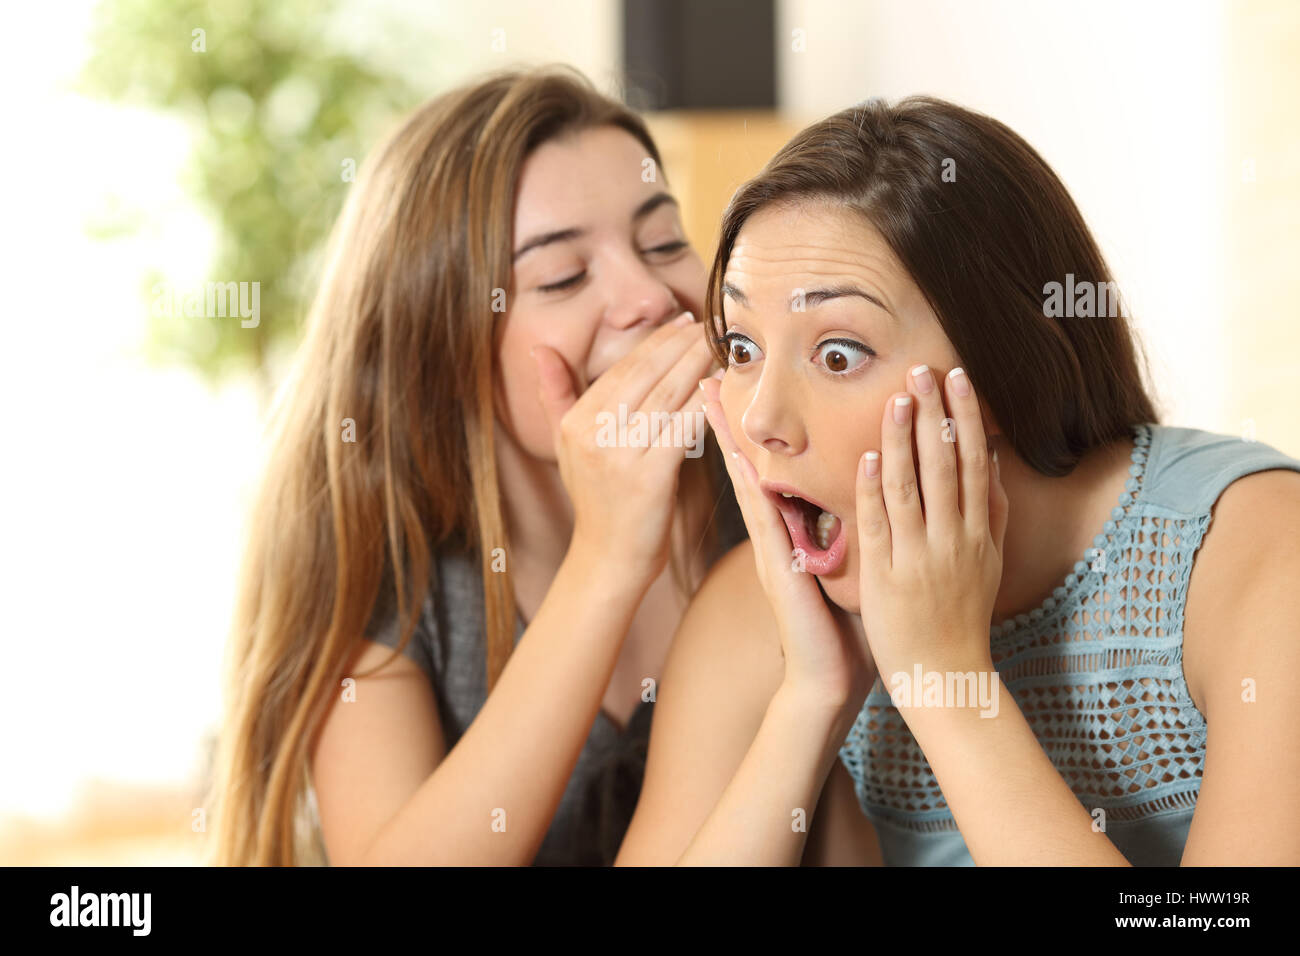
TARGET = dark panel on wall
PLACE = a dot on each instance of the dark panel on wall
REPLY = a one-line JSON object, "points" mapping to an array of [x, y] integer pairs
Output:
{"points": [[700, 54]]}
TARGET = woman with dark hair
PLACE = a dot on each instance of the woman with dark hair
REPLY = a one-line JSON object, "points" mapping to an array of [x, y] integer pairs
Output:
{"points": [[1059, 595]]}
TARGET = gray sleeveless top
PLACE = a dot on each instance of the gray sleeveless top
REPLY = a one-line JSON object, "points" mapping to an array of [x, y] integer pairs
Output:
{"points": [[450, 645]]}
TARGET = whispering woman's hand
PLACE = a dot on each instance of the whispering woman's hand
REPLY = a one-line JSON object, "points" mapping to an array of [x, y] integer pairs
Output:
{"points": [[929, 576], [826, 657], [624, 492]]}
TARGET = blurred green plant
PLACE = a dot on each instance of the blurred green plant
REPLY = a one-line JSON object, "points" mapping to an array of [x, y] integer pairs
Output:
{"points": [[280, 114]]}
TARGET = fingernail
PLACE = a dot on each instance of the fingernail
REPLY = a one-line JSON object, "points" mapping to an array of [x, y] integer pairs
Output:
{"points": [[532, 350], [923, 379], [902, 408], [871, 463], [960, 383], [702, 381], [718, 374], [685, 318]]}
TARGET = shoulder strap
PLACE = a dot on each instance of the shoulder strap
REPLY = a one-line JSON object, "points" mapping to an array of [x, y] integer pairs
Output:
{"points": [[1189, 468]]}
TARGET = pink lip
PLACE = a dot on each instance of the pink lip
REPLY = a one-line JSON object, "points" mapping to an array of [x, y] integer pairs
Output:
{"points": [[816, 561]]}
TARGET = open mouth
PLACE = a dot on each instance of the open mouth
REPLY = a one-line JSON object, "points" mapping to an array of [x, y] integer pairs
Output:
{"points": [[816, 532]]}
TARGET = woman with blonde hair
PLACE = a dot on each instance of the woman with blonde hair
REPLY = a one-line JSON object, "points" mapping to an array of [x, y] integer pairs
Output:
{"points": [[508, 278]]}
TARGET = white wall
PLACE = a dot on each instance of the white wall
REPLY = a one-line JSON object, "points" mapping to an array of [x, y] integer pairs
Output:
{"points": [[1124, 99]]}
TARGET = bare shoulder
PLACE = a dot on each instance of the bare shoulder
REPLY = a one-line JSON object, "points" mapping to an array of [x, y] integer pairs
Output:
{"points": [[1252, 522], [728, 635], [731, 595], [1247, 564], [1259, 497], [730, 619]]}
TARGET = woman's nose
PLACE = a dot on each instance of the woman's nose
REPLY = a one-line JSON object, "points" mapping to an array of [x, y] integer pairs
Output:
{"points": [[637, 295], [771, 420]]}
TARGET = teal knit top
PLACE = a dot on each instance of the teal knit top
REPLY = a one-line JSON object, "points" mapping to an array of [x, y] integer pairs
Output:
{"points": [[1097, 671]]}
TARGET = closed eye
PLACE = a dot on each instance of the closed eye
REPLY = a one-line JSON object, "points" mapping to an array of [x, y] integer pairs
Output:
{"points": [[667, 248], [564, 283]]}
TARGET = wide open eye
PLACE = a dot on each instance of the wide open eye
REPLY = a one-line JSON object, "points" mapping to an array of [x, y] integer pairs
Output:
{"points": [[841, 356], [741, 349]]}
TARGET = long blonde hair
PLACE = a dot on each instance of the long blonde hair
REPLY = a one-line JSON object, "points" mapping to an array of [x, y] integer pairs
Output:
{"points": [[422, 242]]}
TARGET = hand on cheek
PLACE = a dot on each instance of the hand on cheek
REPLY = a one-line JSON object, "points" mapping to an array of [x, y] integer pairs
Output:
{"points": [[928, 577], [825, 660]]}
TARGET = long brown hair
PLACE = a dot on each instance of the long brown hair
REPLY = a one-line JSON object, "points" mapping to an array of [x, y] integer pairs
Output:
{"points": [[424, 239], [982, 224]]}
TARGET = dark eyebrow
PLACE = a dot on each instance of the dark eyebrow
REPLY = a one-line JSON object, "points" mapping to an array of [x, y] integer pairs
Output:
{"points": [[811, 296], [818, 296], [731, 291], [565, 235]]}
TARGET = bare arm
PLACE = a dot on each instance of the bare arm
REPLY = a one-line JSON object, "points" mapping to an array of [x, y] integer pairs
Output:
{"points": [[388, 792], [1243, 605], [1243, 602], [718, 689]]}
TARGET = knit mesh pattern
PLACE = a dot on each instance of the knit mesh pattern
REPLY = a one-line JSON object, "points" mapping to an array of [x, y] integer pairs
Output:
{"points": [[1097, 671]]}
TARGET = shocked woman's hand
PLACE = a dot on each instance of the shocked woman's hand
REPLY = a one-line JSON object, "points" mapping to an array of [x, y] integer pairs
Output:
{"points": [[930, 562], [622, 478], [826, 656]]}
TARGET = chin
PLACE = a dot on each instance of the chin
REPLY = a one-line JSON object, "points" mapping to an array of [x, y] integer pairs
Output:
{"points": [[842, 590]]}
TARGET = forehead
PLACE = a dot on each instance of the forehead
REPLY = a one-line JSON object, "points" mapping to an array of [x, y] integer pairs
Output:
{"points": [[582, 177], [795, 245]]}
